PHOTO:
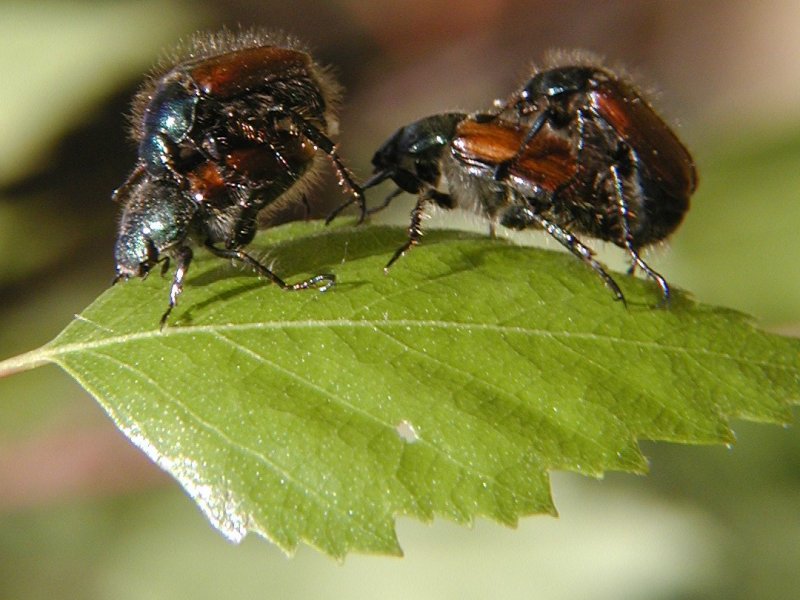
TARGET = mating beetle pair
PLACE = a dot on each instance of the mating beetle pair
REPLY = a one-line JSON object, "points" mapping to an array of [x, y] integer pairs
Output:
{"points": [[245, 121], [576, 150], [234, 128]]}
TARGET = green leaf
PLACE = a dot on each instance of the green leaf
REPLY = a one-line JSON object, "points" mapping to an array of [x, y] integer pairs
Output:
{"points": [[450, 387]]}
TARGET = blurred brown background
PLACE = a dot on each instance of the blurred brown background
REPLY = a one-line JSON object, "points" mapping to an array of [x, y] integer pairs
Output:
{"points": [[83, 515]]}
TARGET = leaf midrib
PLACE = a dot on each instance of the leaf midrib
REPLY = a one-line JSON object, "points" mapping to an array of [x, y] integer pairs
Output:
{"points": [[54, 350]]}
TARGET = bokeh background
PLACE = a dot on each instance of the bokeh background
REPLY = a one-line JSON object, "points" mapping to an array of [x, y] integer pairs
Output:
{"points": [[84, 515]]}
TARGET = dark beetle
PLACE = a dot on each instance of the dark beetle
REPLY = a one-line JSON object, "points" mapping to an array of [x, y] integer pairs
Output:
{"points": [[635, 177], [234, 127]]}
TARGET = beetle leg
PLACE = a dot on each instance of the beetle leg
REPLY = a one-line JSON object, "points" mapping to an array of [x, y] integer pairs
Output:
{"points": [[323, 142], [442, 200], [520, 217], [169, 150], [122, 191], [164, 265], [627, 238], [386, 201], [326, 280], [292, 173], [415, 227], [183, 256]]}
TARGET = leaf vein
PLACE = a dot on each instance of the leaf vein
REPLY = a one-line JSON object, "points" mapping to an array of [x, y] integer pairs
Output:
{"points": [[53, 350]]}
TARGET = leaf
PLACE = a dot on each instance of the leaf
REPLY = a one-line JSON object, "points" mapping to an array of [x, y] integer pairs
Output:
{"points": [[450, 387]]}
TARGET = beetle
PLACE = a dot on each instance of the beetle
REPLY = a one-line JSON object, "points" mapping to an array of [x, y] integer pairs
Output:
{"points": [[161, 221], [240, 122], [635, 176]]}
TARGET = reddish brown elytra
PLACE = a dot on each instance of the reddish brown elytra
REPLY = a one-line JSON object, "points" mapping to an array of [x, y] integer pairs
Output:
{"points": [[248, 69], [544, 165], [665, 167]]}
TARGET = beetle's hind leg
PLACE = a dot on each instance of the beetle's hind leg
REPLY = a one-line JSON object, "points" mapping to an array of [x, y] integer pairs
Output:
{"points": [[627, 239], [324, 143], [521, 217], [321, 282]]}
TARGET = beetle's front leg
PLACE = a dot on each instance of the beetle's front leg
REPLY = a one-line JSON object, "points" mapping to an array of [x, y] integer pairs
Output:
{"points": [[182, 256]]}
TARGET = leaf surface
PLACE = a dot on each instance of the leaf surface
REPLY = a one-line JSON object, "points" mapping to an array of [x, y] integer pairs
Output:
{"points": [[450, 387]]}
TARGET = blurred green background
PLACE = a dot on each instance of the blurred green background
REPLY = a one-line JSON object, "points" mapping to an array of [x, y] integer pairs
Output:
{"points": [[84, 515]]}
